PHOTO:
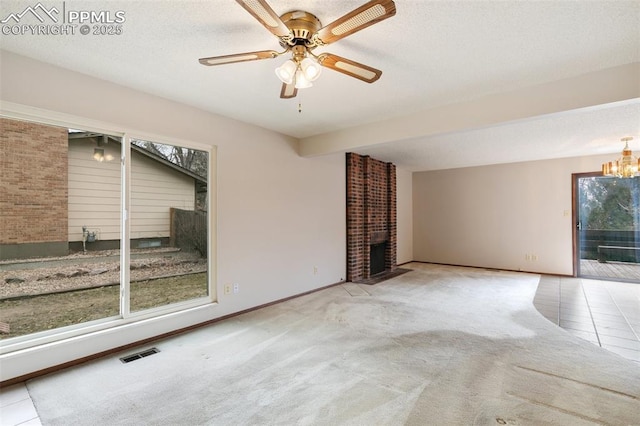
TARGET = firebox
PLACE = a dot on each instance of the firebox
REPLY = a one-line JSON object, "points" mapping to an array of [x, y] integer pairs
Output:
{"points": [[376, 262]]}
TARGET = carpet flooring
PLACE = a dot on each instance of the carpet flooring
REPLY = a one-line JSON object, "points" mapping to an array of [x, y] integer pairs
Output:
{"points": [[438, 345]]}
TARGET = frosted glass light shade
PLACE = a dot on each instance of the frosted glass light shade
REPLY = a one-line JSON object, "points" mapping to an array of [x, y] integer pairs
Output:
{"points": [[311, 69], [287, 71], [301, 80]]}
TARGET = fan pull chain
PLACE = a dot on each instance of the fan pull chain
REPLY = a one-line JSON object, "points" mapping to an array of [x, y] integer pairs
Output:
{"points": [[300, 95]]}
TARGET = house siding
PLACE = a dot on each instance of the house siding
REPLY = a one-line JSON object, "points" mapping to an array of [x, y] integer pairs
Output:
{"points": [[94, 194], [155, 189], [33, 193], [94, 191]]}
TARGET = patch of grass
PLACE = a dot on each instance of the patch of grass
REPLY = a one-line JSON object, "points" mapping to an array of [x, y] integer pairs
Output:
{"points": [[47, 312], [152, 293]]}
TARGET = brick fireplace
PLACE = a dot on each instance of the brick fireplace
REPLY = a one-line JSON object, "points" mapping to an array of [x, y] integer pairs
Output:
{"points": [[371, 217]]}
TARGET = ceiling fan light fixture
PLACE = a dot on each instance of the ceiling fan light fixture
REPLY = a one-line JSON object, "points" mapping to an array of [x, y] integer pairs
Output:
{"points": [[287, 71], [299, 32]]}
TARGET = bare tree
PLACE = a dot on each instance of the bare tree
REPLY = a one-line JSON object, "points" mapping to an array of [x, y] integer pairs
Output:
{"points": [[193, 160]]}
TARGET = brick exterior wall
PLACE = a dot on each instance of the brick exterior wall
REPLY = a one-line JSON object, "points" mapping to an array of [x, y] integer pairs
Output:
{"points": [[371, 213], [33, 194]]}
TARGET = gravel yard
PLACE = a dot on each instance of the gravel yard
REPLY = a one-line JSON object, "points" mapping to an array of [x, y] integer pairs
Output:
{"points": [[94, 269], [45, 294]]}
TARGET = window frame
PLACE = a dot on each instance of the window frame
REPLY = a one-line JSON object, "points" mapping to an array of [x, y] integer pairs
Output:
{"points": [[36, 115]]}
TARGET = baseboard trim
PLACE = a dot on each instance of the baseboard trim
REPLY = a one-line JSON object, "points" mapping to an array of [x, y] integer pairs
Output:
{"points": [[490, 268]]}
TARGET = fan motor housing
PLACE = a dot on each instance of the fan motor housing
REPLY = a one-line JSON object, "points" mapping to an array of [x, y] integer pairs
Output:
{"points": [[302, 24]]}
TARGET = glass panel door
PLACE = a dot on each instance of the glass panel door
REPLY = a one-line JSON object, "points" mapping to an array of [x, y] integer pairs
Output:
{"points": [[608, 224]]}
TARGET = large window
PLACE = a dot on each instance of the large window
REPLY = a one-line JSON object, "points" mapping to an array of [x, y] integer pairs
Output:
{"points": [[98, 229]]}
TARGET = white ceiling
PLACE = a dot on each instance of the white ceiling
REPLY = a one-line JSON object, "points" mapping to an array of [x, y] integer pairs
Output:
{"points": [[432, 53]]}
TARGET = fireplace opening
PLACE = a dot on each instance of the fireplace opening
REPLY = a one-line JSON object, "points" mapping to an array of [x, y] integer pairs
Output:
{"points": [[377, 264]]}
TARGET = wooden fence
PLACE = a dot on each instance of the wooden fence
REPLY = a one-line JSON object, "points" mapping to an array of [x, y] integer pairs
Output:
{"points": [[189, 230]]}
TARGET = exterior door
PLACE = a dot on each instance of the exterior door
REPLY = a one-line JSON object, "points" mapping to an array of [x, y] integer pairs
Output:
{"points": [[607, 224]]}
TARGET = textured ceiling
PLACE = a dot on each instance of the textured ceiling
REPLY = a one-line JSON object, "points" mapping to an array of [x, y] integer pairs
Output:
{"points": [[432, 53], [570, 134]]}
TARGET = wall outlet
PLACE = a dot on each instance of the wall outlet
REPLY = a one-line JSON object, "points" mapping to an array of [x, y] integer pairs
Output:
{"points": [[315, 270], [527, 257], [534, 257], [236, 288], [227, 289]]}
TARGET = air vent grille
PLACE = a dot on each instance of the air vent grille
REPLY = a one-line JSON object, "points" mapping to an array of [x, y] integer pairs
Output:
{"points": [[139, 355]]}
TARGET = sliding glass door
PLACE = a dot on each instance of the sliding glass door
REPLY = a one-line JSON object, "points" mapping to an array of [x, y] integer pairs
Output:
{"points": [[607, 227]]}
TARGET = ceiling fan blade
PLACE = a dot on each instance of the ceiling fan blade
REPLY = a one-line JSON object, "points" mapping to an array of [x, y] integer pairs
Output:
{"points": [[368, 14], [266, 16], [239, 57], [349, 67], [288, 91]]}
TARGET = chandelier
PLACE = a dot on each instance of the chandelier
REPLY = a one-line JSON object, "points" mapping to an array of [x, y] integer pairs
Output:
{"points": [[625, 166]]}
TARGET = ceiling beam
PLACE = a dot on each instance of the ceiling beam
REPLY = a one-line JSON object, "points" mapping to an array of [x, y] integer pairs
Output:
{"points": [[617, 84]]}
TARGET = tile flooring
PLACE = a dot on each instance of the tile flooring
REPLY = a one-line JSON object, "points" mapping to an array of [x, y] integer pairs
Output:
{"points": [[604, 313], [16, 407]]}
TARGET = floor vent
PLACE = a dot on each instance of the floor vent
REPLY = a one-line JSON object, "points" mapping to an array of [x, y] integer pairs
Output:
{"points": [[138, 355]]}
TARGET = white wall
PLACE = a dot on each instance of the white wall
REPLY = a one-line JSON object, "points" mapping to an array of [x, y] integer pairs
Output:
{"points": [[278, 215], [404, 206], [493, 216]]}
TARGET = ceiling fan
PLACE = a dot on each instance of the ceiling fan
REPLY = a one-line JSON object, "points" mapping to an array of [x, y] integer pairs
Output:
{"points": [[300, 32]]}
